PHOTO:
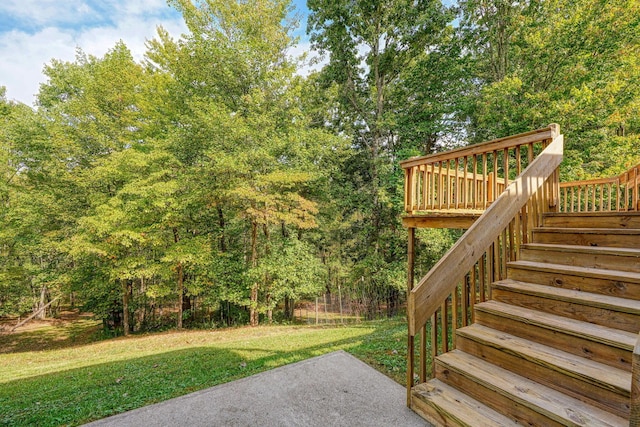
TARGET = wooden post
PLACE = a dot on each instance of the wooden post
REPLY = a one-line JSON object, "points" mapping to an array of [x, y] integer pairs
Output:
{"points": [[634, 418], [410, 338]]}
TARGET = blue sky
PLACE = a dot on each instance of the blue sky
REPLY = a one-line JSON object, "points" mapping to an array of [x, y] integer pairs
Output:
{"points": [[32, 32]]}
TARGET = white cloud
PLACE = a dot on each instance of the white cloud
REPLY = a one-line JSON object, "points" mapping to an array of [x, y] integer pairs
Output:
{"points": [[23, 53]]}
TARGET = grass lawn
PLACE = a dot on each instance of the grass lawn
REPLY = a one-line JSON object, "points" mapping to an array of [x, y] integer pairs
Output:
{"points": [[70, 383]]}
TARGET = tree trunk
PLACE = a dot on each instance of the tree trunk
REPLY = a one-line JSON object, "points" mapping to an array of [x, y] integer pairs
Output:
{"points": [[253, 303], [180, 294], [125, 307], [180, 271], [42, 313]]}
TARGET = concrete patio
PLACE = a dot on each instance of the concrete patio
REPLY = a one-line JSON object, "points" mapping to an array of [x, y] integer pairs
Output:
{"points": [[335, 389]]}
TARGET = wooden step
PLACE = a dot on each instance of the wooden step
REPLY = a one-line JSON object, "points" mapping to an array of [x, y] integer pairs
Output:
{"points": [[611, 237], [610, 346], [623, 259], [595, 383], [443, 405], [517, 397], [624, 284], [593, 220], [614, 312]]}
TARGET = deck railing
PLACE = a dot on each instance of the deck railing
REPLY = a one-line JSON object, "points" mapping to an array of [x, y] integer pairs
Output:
{"points": [[444, 299], [469, 178], [619, 193]]}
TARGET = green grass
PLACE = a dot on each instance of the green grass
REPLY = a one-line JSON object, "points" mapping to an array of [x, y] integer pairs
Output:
{"points": [[73, 384]]}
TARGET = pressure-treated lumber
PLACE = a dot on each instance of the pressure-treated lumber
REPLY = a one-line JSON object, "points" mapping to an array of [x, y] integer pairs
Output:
{"points": [[495, 145], [621, 259], [610, 346], [428, 295], [611, 237], [593, 220], [601, 281], [443, 405], [517, 397], [595, 383], [614, 312]]}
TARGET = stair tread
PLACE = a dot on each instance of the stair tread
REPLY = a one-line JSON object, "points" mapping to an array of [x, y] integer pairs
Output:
{"points": [[570, 295], [544, 400], [587, 214], [627, 252], [601, 273], [603, 334], [464, 409], [592, 372], [589, 230]]}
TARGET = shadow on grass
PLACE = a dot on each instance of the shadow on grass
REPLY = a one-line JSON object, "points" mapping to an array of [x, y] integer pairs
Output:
{"points": [[81, 395], [52, 337]]}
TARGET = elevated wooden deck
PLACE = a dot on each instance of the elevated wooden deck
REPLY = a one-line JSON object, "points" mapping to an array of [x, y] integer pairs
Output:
{"points": [[454, 218], [533, 316]]}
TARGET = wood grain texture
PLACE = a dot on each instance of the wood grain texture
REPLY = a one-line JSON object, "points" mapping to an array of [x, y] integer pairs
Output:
{"points": [[622, 259], [524, 400], [614, 312], [599, 343], [611, 237], [439, 282], [595, 383], [443, 405], [593, 219]]}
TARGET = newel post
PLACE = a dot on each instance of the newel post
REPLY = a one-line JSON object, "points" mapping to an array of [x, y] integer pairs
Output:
{"points": [[410, 339]]}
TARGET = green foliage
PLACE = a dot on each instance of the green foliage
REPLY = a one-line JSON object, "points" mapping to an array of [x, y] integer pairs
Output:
{"points": [[67, 386], [213, 184]]}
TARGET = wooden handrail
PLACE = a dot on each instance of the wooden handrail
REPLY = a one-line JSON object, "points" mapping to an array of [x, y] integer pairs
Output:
{"points": [[619, 193], [438, 284], [485, 147], [470, 177]]}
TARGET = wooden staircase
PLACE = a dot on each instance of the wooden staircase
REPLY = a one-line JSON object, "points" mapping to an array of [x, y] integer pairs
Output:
{"points": [[554, 344]]}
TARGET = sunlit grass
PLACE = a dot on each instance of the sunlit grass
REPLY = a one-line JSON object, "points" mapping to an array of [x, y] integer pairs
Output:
{"points": [[80, 383]]}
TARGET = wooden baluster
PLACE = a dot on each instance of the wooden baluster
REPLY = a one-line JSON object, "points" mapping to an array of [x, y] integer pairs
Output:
{"points": [[456, 191], [455, 313], [407, 191], [609, 193], [448, 187], [483, 277], [485, 183], [433, 186], [473, 292], [626, 192], [496, 193], [434, 343], [441, 182], [444, 315], [505, 159], [475, 182], [465, 182], [579, 198], [465, 300], [601, 187]]}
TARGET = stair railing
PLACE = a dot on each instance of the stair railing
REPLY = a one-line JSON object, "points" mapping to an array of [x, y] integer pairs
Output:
{"points": [[443, 300], [470, 177], [620, 193]]}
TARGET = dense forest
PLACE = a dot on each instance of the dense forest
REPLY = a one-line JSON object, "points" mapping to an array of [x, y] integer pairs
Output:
{"points": [[214, 183]]}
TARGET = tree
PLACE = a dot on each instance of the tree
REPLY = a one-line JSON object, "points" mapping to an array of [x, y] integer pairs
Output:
{"points": [[369, 44]]}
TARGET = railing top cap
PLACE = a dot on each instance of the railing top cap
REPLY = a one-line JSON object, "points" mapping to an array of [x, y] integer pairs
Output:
{"points": [[548, 132]]}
